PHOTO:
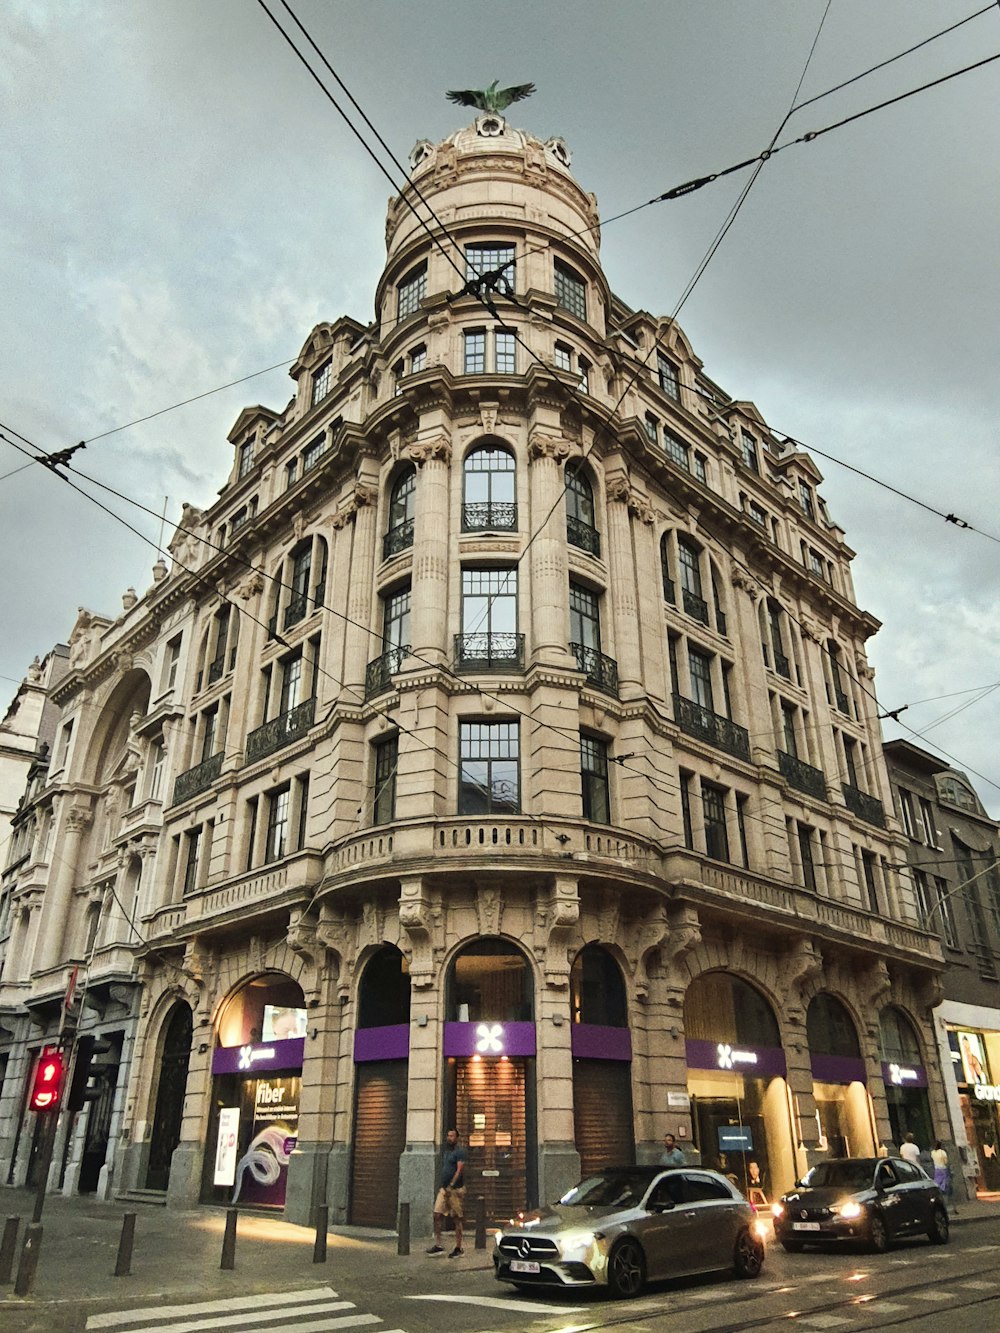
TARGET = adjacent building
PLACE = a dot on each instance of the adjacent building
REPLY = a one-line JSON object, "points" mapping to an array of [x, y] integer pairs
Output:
{"points": [[498, 750]]}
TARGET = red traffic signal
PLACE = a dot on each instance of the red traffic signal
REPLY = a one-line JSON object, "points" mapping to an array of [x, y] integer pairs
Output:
{"points": [[46, 1086]]}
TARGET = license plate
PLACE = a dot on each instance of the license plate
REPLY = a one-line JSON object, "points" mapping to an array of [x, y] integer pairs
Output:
{"points": [[805, 1226], [524, 1266]]}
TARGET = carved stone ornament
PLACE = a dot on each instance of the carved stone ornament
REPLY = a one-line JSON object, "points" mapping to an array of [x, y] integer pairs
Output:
{"points": [[641, 508], [875, 984], [426, 451], [801, 966], [420, 152], [490, 125], [489, 909], [559, 150], [619, 490], [364, 495], [548, 446], [488, 416], [739, 578], [78, 819], [558, 918], [250, 587], [421, 926], [810, 629], [644, 946]]}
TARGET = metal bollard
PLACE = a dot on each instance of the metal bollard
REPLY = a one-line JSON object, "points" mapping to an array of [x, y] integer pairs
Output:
{"points": [[8, 1246], [322, 1224], [480, 1222], [30, 1251], [403, 1241], [123, 1264], [229, 1240]]}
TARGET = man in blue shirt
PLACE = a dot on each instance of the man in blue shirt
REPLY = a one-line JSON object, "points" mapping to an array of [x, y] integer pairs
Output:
{"points": [[672, 1155], [450, 1195]]}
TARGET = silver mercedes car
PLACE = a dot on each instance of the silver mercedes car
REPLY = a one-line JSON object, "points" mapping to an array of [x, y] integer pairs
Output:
{"points": [[628, 1225]]}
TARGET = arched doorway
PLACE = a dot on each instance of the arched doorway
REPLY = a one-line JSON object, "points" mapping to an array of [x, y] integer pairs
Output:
{"points": [[905, 1078], [603, 1125], [166, 1130], [489, 1050], [844, 1121], [740, 1113], [256, 1081], [381, 1064]]}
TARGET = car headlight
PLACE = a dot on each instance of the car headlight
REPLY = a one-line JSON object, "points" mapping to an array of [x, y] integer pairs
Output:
{"points": [[576, 1241], [849, 1211], [777, 1210]]}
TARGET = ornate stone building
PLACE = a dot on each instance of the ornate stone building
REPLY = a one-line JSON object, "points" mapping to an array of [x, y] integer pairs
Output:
{"points": [[498, 751]]}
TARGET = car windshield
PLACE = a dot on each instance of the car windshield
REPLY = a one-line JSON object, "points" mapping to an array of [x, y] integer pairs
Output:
{"points": [[840, 1175], [611, 1189]]}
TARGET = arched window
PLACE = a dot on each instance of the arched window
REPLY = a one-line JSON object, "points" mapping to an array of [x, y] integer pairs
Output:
{"points": [[720, 1007], [266, 1007], [597, 989], [689, 577], [669, 591], [581, 526], [399, 534], [830, 1028], [490, 981], [489, 501], [898, 1037], [384, 993]]}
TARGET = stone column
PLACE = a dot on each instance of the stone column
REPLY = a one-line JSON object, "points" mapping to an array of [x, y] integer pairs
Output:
{"points": [[431, 527], [549, 565], [307, 1167], [622, 593], [558, 1159], [60, 892], [361, 644], [653, 634]]}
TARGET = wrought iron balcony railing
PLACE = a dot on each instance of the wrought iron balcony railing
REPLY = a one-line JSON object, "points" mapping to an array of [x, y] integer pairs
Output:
{"points": [[297, 609], [490, 516], [280, 731], [802, 776], [601, 671], [397, 539], [583, 535], [705, 725], [197, 779], [380, 671], [696, 607], [866, 807], [489, 651]]}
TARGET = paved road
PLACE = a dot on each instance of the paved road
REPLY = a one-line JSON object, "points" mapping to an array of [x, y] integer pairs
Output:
{"points": [[177, 1287]]}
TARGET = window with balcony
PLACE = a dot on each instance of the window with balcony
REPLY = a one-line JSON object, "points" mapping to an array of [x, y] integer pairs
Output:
{"points": [[489, 769], [208, 725], [322, 382], [666, 375], [585, 638], [386, 760], [492, 257], [489, 636], [594, 779], [581, 524], [288, 701], [700, 682], [396, 606], [700, 671], [571, 290], [301, 587], [689, 570], [411, 291], [219, 648], [489, 501], [402, 502]]}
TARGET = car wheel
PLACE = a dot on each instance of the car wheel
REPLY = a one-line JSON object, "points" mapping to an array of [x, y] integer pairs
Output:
{"points": [[878, 1237], [626, 1269], [748, 1257], [939, 1229], [792, 1246]]}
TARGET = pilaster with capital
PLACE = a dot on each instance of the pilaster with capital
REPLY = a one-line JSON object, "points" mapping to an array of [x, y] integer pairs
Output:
{"points": [[557, 913], [623, 590], [361, 645], [429, 579], [547, 453], [75, 821]]}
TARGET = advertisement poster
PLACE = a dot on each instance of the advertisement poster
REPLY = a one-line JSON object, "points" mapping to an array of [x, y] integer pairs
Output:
{"points": [[262, 1171], [281, 1023], [973, 1057], [226, 1145]]}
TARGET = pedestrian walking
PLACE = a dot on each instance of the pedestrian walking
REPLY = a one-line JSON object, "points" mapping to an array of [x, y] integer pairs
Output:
{"points": [[450, 1201], [909, 1151], [671, 1155], [942, 1175]]}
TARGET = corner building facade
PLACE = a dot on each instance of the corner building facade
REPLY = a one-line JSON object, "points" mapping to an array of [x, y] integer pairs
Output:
{"points": [[520, 769]]}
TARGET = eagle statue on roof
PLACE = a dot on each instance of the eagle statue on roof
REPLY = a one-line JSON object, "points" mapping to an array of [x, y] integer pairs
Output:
{"points": [[491, 99]]}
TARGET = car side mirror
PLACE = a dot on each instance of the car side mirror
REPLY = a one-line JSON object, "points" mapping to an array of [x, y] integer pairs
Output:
{"points": [[662, 1206]]}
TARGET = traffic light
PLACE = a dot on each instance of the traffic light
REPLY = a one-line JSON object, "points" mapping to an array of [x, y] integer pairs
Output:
{"points": [[80, 1091], [46, 1086]]}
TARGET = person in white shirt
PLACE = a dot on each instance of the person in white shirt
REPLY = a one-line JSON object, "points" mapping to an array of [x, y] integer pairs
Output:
{"points": [[909, 1150]]}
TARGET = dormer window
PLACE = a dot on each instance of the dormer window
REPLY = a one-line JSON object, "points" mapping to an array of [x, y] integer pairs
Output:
{"points": [[411, 291], [245, 457], [322, 382], [666, 373], [749, 448], [806, 502]]}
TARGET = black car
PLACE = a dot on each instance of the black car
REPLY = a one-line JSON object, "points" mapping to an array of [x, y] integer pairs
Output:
{"points": [[869, 1199]]}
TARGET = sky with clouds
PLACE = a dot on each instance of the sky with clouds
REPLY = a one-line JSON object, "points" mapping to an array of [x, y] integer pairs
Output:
{"points": [[181, 205]]}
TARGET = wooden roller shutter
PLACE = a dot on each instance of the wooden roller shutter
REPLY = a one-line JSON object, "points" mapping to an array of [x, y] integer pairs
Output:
{"points": [[490, 1116], [379, 1139], [602, 1114]]}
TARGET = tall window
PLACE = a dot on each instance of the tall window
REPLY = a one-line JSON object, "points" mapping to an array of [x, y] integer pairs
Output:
{"points": [[700, 668], [483, 259], [594, 775], [563, 357], [476, 348], [291, 682], [246, 457], [688, 560], [927, 822], [396, 618], [908, 814], [489, 477], [922, 889], [946, 911], [475, 352], [301, 573], [871, 889], [505, 349], [489, 779], [584, 617], [384, 796], [191, 859], [749, 448], [571, 290], [402, 501], [322, 382], [418, 359], [806, 502], [805, 836], [581, 527], [278, 823], [210, 724], [411, 291], [676, 450], [666, 374], [774, 626], [489, 612], [172, 661], [713, 801], [789, 743]]}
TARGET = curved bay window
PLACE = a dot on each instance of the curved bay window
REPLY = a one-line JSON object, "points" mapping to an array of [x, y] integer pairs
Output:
{"points": [[844, 1119], [740, 1108], [581, 524], [489, 502], [402, 500], [489, 1095], [257, 1078], [905, 1078]]}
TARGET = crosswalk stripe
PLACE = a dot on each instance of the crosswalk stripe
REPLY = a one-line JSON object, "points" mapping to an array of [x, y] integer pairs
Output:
{"points": [[161, 1312], [252, 1318], [352, 1321]]}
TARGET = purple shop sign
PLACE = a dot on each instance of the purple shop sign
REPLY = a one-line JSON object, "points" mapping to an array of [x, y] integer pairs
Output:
{"points": [[386, 1043], [838, 1069], [903, 1075], [259, 1058], [489, 1039], [755, 1061], [591, 1041]]}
